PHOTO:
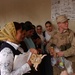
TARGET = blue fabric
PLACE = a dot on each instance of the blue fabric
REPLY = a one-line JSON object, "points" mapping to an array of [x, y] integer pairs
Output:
{"points": [[29, 43]]}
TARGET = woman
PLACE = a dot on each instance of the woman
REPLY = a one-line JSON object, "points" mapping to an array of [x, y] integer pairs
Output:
{"points": [[12, 33]]}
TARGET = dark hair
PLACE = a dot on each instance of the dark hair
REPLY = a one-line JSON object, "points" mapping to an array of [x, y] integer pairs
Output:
{"points": [[17, 25], [23, 26], [33, 26], [48, 22], [35, 36], [39, 26], [28, 22], [28, 25]]}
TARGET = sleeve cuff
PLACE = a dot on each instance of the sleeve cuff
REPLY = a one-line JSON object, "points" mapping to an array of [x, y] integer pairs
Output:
{"points": [[26, 68]]}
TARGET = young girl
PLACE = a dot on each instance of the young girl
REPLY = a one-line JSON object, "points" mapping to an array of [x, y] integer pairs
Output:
{"points": [[12, 34]]}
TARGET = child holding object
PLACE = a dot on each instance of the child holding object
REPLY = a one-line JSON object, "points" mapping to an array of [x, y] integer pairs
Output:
{"points": [[12, 34]]}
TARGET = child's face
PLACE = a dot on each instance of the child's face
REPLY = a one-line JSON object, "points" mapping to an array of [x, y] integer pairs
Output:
{"points": [[39, 30], [20, 35], [49, 27]]}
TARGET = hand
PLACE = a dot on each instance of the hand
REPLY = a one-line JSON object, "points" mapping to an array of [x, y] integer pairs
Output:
{"points": [[60, 53], [33, 50], [29, 62], [45, 42], [39, 50], [73, 73], [64, 72], [52, 51]]}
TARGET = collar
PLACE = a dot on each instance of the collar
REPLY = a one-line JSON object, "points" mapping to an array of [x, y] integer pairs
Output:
{"points": [[16, 46]]}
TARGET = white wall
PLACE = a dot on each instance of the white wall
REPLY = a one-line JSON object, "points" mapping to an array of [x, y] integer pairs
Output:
{"points": [[36, 11]]}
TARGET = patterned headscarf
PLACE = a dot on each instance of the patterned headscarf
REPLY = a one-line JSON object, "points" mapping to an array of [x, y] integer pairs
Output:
{"points": [[8, 32]]}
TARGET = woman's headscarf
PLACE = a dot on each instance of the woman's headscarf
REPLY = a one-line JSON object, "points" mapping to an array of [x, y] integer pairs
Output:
{"points": [[8, 32]]}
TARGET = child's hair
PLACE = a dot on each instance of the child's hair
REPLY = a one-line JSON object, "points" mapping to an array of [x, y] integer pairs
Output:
{"points": [[28, 25], [48, 22]]}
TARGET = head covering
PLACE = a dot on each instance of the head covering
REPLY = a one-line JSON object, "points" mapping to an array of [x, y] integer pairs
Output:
{"points": [[61, 18], [8, 32]]}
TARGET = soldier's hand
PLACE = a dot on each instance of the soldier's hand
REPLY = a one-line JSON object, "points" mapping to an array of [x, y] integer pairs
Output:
{"points": [[64, 72]]}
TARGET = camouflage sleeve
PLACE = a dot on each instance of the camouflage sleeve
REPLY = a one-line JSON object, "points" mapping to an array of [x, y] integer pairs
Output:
{"points": [[71, 50]]}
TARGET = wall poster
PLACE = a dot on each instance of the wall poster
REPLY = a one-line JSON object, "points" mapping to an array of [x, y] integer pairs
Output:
{"points": [[59, 7]]}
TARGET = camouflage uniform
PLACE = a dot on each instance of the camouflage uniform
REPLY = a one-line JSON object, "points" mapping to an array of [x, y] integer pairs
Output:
{"points": [[66, 42]]}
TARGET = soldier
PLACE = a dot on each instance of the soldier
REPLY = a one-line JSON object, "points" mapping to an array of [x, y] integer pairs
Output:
{"points": [[65, 40]]}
